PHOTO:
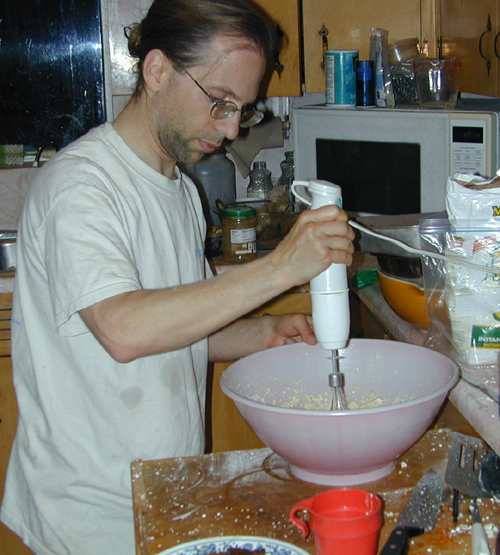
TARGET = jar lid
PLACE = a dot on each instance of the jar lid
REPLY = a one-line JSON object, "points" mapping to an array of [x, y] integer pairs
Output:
{"points": [[238, 210]]}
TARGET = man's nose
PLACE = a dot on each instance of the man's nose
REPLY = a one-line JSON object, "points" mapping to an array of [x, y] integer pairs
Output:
{"points": [[230, 126]]}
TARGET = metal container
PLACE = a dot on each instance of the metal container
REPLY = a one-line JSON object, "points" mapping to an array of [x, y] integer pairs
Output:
{"points": [[8, 250], [392, 259]]}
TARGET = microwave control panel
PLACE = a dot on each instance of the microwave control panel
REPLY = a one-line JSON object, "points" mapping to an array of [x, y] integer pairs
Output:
{"points": [[469, 136]]}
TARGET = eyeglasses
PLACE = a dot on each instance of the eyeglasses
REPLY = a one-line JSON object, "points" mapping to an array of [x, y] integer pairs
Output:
{"points": [[223, 109]]}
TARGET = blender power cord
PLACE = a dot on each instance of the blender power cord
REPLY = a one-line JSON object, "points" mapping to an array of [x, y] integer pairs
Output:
{"points": [[446, 257]]}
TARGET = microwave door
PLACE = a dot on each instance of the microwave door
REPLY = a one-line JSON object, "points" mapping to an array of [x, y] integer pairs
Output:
{"points": [[386, 161]]}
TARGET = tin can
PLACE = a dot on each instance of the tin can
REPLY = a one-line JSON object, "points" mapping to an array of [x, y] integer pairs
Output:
{"points": [[365, 83], [239, 233], [340, 74]]}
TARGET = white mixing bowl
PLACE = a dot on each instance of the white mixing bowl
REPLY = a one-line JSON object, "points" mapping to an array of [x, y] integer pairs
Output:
{"points": [[341, 448]]}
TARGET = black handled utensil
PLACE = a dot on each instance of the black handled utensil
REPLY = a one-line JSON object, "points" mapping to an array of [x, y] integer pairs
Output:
{"points": [[419, 515]]}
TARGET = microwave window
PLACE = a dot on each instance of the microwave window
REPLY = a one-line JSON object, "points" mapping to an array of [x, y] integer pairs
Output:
{"points": [[375, 177]]}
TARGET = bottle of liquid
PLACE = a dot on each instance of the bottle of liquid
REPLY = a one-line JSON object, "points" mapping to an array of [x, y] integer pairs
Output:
{"points": [[287, 173], [260, 182], [216, 175]]}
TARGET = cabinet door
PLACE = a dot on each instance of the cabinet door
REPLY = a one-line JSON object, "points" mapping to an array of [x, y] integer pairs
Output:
{"points": [[348, 24], [468, 29], [227, 429], [10, 544], [286, 13]]}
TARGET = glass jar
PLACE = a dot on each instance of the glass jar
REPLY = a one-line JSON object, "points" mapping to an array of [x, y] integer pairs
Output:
{"points": [[239, 234]]}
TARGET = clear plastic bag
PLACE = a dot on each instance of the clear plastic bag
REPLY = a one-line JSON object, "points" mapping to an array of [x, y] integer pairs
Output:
{"points": [[463, 303], [384, 95]]}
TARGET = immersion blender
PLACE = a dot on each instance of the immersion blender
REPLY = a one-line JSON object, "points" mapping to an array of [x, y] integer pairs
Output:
{"points": [[329, 293]]}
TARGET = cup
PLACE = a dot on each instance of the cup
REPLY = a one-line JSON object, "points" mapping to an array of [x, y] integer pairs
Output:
{"points": [[437, 82], [340, 75], [344, 521]]}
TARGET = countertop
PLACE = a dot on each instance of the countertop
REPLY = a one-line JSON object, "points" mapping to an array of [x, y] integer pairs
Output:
{"points": [[251, 493]]}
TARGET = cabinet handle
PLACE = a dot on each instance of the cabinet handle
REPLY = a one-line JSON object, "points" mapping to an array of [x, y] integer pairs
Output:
{"points": [[495, 45], [488, 30], [323, 33], [278, 66]]}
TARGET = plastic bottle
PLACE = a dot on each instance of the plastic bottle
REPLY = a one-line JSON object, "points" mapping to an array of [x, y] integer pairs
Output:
{"points": [[287, 173], [216, 174], [260, 182]]}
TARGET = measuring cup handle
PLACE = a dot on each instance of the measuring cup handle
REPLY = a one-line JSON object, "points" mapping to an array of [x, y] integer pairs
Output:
{"points": [[301, 524], [303, 184]]}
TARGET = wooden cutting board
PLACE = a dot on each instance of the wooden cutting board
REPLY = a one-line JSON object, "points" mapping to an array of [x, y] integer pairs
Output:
{"points": [[251, 493]]}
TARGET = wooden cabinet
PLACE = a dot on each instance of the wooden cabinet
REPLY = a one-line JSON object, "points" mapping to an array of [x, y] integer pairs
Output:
{"points": [[227, 431], [470, 29], [348, 24], [287, 81], [10, 544]]}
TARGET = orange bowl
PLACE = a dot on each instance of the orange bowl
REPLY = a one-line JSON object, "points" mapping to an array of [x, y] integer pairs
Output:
{"points": [[407, 299]]}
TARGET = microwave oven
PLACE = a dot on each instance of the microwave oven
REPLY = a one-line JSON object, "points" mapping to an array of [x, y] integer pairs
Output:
{"points": [[395, 160]]}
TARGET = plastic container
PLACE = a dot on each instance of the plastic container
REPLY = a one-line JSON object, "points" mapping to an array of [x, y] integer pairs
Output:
{"points": [[239, 235], [215, 177], [344, 521], [438, 82], [260, 181], [365, 83], [403, 50], [274, 390]]}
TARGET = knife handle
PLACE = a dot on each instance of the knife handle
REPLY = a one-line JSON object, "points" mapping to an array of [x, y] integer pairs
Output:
{"points": [[479, 541], [398, 541]]}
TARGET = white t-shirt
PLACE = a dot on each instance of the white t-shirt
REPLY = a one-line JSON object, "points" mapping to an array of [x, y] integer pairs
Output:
{"points": [[97, 222]]}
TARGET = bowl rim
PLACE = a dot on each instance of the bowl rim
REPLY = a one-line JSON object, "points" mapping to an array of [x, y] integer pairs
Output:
{"points": [[443, 390]]}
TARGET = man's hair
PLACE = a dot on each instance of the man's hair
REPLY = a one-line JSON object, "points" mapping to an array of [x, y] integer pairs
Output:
{"points": [[183, 30]]}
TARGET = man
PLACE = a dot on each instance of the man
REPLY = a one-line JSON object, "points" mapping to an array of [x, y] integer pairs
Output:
{"points": [[116, 312]]}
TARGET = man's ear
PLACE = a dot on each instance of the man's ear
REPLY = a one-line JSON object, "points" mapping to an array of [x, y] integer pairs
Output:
{"points": [[154, 69]]}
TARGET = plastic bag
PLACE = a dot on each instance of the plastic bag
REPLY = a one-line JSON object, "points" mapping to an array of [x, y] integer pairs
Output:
{"points": [[384, 95], [463, 303]]}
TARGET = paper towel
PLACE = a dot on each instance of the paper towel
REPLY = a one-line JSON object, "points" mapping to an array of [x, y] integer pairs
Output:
{"points": [[267, 134]]}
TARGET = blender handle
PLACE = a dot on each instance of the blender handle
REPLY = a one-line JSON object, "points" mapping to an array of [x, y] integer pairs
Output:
{"points": [[304, 184]]}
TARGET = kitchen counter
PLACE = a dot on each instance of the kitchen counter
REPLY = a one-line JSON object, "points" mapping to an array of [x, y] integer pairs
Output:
{"points": [[251, 493]]}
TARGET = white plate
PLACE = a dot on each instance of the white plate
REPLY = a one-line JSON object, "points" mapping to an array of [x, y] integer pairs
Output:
{"points": [[221, 544]]}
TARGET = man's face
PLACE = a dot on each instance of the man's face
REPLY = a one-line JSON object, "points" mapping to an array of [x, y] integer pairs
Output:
{"points": [[181, 117]]}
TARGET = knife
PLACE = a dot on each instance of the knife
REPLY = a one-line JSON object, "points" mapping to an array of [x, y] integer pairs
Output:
{"points": [[419, 515]]}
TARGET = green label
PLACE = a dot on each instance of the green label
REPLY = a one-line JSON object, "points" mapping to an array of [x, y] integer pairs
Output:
{"points": [[485, 337]]}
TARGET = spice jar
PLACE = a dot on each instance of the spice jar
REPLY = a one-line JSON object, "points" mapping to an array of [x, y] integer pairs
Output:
{"points": [[239, 234]]}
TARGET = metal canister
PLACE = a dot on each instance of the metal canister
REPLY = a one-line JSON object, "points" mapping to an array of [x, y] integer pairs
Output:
{"points": [[239, 233]]}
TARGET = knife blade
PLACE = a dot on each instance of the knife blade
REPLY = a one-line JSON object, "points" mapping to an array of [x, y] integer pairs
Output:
{"points": [[419, 515]]}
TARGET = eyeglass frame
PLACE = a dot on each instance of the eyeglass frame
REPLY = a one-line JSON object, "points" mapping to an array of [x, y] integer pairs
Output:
{"points": [[218, 102]]}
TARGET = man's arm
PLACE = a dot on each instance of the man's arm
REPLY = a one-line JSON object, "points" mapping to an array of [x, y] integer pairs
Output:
{"points": [[147, 322]]}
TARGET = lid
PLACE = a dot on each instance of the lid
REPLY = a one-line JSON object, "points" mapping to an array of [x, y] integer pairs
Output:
{"points": [[238, 210]]}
